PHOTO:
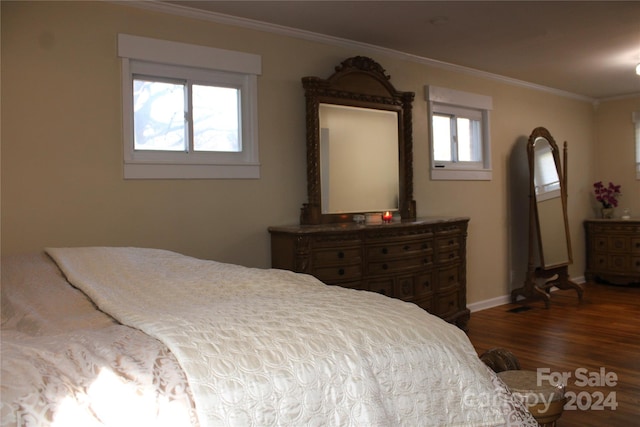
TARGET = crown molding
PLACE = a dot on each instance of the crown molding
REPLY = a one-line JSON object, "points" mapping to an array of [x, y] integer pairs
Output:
{"points": [[176, 9]]}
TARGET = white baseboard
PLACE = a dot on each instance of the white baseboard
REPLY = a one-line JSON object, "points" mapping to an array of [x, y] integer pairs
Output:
{"points": [[506, 299], [489, 303]]}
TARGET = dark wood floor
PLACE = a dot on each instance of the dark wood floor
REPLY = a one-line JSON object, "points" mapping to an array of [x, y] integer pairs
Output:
{"points": [[601, 332]]}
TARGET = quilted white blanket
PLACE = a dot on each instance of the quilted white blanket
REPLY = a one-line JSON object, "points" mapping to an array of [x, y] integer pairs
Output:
{"points": [[272, 347]]}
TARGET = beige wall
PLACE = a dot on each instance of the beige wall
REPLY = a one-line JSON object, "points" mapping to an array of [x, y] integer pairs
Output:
{"points": [[615, 154], [62, 179]]}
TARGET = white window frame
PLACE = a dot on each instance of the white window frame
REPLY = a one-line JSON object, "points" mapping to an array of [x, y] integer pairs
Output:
{"points": [[636, 122], [160, 58], [444, 100]]}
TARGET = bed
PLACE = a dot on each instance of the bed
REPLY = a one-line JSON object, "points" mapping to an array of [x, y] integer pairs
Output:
{"points": [[106, 336]]}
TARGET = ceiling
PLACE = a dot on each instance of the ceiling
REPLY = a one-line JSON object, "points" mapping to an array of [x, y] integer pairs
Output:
{"points": [[586, 48]]}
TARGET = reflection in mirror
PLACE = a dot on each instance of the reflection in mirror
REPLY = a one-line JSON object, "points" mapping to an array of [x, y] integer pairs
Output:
{"points": [[358, 159], [546, 177], [548, 221], [553, 235]]}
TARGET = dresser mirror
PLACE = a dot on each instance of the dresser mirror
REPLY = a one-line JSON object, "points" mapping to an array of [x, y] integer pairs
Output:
{"points": [[549, 239], [359, 144]]}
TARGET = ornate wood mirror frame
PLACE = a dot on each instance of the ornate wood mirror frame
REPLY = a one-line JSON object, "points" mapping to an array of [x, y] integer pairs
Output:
{"points": [[357, 82], [549, 239]]}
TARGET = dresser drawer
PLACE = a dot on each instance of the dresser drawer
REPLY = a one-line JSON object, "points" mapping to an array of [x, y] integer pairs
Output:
{"points": [[399, 265], [447, 303], [338, 273], [600, 261], [405, 287], [449, 243], [399, 249], [336, 256], [619, 244], [425, 284], [451, 229], [352, 285], [449, 278], [448, 257], [618, 263], [426, 303], [600, 243], [382, 286]]}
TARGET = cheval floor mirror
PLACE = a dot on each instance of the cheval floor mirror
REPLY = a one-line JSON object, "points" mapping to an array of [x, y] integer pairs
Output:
{"points": [[549, 239]]}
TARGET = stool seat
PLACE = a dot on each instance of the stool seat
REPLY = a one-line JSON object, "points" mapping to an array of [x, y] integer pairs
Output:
{"points": [[544, 400]]}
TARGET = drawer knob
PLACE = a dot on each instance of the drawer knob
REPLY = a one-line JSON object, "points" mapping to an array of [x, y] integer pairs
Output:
{"points": [[385, 267], [385, 251], [341, 272], [424, 246], [341, 254], [406, 247]]}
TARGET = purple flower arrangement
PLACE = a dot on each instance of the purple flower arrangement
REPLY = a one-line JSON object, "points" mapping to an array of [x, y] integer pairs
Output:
{"points": [[607, 196]]}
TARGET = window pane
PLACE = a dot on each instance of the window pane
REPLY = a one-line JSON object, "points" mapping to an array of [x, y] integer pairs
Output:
{"points": [[159, 115], [441, 138], [469, 141], [216, 121]]}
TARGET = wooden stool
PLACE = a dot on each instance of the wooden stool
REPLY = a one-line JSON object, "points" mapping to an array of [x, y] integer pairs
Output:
{"points": [[545, 401], [500, 359]]}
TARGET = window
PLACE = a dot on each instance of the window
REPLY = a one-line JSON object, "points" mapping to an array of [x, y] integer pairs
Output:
{"points": [[636, 121], [460, 145], [188, 111]]}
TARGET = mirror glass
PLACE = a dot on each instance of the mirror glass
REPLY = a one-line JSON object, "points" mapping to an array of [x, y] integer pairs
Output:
{"points": [[359, 165], [549, 203]]}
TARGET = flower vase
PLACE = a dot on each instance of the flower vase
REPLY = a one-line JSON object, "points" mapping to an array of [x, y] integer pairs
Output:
{"points": [[606, 213]]}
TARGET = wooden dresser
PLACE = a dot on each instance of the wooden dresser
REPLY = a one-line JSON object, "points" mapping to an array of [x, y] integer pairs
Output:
{"points": [[422, 261], [613, 250]]}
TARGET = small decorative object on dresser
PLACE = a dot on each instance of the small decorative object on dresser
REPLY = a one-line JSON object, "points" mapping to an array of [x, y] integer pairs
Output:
{"points": [[606, 213], [613, 250], [607, 197], [422, 261]]}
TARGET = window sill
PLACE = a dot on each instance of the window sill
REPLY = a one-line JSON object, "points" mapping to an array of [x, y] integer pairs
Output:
{"points": [[441, 174]]}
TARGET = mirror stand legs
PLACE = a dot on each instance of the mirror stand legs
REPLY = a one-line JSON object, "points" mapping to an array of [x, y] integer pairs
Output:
{"points": [[558, 277]]}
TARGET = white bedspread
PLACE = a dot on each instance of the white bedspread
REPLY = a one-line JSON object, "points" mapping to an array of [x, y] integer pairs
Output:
{"points": [[272, 347]]}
